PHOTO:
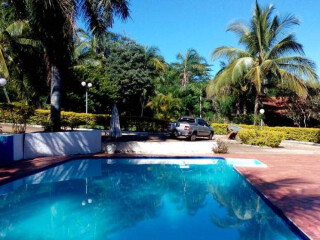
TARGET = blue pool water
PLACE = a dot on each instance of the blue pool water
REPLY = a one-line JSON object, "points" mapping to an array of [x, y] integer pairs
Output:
{"points": [[93, 199]]}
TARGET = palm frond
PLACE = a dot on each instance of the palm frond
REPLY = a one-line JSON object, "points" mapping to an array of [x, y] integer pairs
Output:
{"points": [[293, 83], [255, 76], [3, 66], [286, 46], [230, 53]]}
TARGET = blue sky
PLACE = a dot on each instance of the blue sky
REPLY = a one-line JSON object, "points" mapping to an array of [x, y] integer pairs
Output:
{"points": [[176, 25]]}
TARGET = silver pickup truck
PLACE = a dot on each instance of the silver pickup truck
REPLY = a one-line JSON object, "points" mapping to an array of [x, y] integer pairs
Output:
{"points": [[190, 128]]}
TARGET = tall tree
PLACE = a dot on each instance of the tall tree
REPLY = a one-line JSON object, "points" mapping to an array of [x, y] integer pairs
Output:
{"points": [[191, 65], [153, 59], [53, 24], [266, 59]]}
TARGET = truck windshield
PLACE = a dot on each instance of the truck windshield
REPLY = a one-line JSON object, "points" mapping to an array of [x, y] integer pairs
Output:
{"points": [[188, 120]]}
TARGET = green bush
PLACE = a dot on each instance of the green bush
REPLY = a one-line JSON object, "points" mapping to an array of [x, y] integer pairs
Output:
{"points": [[261, 137], [16, 113], [290, 133], [71, 119], [300, 134], [220, 128], [100, 121]]}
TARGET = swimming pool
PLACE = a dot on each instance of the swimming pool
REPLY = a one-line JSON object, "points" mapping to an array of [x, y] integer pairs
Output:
{"points": [[107, 199]]}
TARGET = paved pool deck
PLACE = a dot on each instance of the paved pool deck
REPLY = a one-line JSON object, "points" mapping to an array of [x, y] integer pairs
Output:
{"points": [[291, 182]]}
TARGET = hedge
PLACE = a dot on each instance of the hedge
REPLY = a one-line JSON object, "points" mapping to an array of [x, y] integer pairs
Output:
{"points": [[102, 121], [71, 119], [261, 137], [300, 134], [290, 133]]}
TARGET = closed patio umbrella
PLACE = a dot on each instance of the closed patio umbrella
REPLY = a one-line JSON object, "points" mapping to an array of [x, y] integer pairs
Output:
{"points": [[115, 130]]}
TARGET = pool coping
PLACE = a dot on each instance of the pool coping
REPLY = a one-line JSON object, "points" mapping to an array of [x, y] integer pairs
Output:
{"points": [[58, 160]]}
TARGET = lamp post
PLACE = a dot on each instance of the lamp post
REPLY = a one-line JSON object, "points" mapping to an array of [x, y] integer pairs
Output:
{"points": [[87, 86], [200, 103], [3, 83], [261, 120]]}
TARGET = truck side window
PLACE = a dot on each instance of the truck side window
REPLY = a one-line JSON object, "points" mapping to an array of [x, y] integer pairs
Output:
{"points": [[201, 122]]}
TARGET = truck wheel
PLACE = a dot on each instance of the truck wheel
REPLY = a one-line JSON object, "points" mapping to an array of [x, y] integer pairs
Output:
{"points": [[175, 134], [210, 136], [193, 137]]}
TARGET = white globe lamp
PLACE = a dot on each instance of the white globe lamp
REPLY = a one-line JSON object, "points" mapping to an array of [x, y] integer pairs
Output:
{"points": [[3, 82]]}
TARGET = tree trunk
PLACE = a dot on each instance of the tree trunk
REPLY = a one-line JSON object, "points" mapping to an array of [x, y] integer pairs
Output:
{"points": [[238, 107], [55, 95], [142, 109], [256, 106], [185, 78], [245, 111]]}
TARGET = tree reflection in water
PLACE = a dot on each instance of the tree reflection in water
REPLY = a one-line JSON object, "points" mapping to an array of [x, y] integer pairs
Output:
{"points": [[122, 197]]}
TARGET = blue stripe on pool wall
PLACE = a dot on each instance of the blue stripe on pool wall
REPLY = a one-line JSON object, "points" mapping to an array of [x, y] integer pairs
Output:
{"points": [[6, 149]]}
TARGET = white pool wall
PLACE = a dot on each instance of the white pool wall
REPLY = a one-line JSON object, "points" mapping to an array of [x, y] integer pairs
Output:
{"points": [[61, 143]]}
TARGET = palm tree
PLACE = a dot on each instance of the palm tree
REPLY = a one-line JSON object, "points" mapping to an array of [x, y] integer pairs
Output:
{"points": [[166, 107], [191, 64], [86, 52], [153, 59], [266, 59], [13, 35], [53, 23]]}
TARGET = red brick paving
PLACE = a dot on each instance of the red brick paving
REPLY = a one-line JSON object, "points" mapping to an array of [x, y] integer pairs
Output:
{"points": [[291, 183]]}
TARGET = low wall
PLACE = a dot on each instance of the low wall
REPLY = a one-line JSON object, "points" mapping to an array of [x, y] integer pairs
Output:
{"points": [[11, 148], [61, 143], [161, 148]]}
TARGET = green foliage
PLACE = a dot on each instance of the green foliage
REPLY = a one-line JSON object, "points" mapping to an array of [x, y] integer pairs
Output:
{"points": [[131, 73], [289, 133], [191, 66], [99, 121], [71, 119], [166, 107], [243, 119], [267, 60], [220, 128], [269, 138], [299, 134], [16, 113]]}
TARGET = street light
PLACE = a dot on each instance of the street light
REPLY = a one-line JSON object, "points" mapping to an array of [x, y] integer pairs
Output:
{"points": [[3, 83], [261, 120], [87, 86]]}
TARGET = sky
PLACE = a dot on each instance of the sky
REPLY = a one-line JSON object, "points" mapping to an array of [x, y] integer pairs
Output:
{"points": [[177, 25]]}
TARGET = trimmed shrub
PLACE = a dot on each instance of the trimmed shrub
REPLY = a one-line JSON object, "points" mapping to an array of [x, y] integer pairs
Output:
{"points": [[290, 133], [220, 128], [71, 119], [100, 121], [261, 137], [299, 134]]}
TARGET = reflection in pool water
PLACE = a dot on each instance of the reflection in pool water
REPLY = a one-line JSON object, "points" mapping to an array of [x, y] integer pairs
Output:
{"points": [[90, 199]]}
